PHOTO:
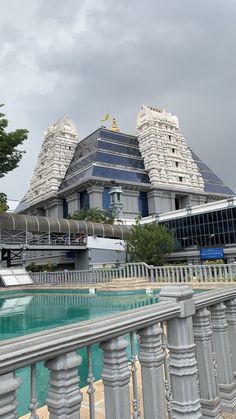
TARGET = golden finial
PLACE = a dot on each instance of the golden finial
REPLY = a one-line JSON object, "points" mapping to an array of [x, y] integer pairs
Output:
{"points": [[114, 126]]}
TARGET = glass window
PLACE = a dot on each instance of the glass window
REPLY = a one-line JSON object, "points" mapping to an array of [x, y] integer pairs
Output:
{"points": [[143, 204], [84, 199], [105, 198]]}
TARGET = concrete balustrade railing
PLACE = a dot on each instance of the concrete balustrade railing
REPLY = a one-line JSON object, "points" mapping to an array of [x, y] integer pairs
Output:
{"points": [[187, 373], [156, 274]]}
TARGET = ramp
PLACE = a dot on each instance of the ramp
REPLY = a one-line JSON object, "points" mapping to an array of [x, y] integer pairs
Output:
{"points": [[11, 277]]}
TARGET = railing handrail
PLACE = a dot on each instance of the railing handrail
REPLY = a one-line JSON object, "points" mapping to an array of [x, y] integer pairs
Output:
{"points": [[36, 347], [213, 297]]}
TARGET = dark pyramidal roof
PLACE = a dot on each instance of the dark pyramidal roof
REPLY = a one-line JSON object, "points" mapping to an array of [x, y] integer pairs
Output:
{"points": [[112, 155], [106, 155]]}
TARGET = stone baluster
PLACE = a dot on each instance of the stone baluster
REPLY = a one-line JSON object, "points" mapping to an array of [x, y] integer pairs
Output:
{"points": [[225, 273], [221, 273], [9, 384], [231, 319], [151, 273], [208, 384], [173, 275], [215, 274], [116, 377], [152, 359], [227, 385], [64, 395], [182, 361], [168, 274], [201, 273]]}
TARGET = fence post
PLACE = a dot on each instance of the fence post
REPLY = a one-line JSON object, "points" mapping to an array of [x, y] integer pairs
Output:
{"points": [[182, 362], [116, 377]]}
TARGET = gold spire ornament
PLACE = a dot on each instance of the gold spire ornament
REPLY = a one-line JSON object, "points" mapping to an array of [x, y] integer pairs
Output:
{"points": [[114, 126]]}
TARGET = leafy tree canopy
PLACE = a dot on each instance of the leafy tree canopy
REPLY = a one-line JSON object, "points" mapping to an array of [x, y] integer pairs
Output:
{"points": [[149, 243], [9, 141], [96, 215], [3, 203]]}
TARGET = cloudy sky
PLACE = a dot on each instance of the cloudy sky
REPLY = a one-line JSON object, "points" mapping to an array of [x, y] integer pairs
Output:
{"points": [[83, 57]]}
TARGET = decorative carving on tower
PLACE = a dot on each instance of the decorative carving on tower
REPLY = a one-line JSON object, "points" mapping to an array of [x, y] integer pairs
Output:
{"points": [[116, 203], [167, 158], [59, 143]]}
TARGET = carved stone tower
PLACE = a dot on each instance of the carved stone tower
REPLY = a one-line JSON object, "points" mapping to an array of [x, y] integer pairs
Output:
{"points": [[167, 158], [59, 143]]}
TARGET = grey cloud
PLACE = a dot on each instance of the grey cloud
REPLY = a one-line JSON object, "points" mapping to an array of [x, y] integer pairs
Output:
{"points": [[81, 58]]}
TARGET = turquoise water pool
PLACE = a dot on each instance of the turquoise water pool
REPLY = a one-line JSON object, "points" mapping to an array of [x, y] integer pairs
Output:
{"points": [[27, 312]]}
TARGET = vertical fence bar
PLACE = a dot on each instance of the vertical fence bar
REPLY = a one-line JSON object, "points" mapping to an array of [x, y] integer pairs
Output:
{"points": [[33, 401], [90, 380], [136, 402], [168, 394]]}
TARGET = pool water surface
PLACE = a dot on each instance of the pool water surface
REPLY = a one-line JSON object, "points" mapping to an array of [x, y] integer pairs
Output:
{"points": [[26, 312]]}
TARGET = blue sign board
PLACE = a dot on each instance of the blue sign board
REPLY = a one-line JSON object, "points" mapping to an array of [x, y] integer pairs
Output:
{"points": [[212, 253]]}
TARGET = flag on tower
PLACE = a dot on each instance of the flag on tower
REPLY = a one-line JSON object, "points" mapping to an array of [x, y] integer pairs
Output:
{"points": [[105, 118]]}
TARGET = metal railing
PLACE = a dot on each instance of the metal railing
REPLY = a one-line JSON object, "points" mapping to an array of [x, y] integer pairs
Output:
{"points": [[154, 274], [188, 371], [41, 239]]}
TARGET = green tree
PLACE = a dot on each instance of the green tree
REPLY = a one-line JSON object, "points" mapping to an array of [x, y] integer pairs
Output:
{"points": [[3, 203], [149, 243], [96, 215], [9, 141]]}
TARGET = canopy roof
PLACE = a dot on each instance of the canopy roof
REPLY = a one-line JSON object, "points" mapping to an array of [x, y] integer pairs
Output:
{"points": [[32, 223]]}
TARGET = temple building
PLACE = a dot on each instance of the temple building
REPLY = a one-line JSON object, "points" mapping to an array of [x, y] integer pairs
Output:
{"points": [[155, 169]]}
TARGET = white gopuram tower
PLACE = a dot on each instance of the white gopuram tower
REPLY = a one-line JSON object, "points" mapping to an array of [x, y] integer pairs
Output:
{"points": [[59, 143], [167, 158]]}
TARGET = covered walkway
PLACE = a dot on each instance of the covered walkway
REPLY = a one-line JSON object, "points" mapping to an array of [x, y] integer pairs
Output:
{"points": [[20, 232]]}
